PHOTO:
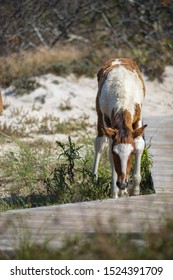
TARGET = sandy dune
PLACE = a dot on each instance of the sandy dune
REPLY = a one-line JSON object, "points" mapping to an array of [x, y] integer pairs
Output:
{"points": [[73, 97]]}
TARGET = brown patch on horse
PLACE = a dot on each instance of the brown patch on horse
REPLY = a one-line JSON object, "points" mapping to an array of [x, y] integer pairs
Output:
{"points": [[137, 116], [100, 124], [107, 120], [127, 119], [121, 176], [121, 119], [124, 136], [117, 163], [129, 164]]}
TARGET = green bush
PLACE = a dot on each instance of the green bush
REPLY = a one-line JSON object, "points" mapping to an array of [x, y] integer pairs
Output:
{"points": [[84, 67], [58, 68], [25, 85], [72, 181]]}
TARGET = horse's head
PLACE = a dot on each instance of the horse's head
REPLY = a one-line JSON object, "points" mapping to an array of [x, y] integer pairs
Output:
{"points": [[123, 148]]}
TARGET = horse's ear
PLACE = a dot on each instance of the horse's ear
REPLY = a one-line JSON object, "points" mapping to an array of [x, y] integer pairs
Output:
{"points": [[110, 132], [139, 131]]}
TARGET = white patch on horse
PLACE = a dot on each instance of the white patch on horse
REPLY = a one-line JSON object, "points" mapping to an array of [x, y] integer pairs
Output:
{"points": [[116, 62], [122, 89], [123, 150]]}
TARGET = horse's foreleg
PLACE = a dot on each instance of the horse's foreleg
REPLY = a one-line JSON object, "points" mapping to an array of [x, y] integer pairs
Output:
{"points": [[139, 144], [98, 146]]}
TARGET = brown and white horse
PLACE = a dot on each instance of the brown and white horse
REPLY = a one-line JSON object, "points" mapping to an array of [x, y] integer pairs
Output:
{"points": [[119, 100]]}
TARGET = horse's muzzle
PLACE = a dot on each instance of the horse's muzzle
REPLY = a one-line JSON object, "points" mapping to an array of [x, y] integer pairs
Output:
{"points": [[122, 186]]}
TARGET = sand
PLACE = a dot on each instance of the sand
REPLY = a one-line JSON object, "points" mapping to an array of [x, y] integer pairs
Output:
{"points": [[72, 97]]}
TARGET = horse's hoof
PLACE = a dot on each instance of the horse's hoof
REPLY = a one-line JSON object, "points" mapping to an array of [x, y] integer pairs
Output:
{"points": [[135, 191]]}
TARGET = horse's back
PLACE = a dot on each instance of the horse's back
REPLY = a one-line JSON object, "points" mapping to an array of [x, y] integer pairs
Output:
{"points": [[120, 86]]}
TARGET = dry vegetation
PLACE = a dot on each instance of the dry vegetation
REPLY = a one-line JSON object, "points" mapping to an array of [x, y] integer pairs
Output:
{"points": [[29, 63], [61, 60], [44, 42]]}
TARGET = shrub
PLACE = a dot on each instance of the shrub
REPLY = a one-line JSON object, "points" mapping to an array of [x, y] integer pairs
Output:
{"points": [[25, 85], [71, 180]]}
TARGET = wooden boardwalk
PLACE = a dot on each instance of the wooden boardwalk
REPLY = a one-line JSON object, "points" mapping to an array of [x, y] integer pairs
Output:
{"points": [[128, 215]]}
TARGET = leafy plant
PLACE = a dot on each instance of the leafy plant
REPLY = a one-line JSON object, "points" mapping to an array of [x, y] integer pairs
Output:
{"points": [[147, 185], [58, 68], [84, 67], [25, 85], [72, 181]]}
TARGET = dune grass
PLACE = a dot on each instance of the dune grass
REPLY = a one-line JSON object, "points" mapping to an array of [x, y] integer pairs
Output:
{"points": [[18, 69], [26, 64], [48, 125]]}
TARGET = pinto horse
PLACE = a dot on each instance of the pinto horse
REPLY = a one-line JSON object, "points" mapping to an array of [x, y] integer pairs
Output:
{"points": [[121, 91]]}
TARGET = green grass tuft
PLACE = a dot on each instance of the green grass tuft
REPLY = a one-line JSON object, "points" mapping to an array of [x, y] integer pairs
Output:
{"points": [[25, 85]]}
